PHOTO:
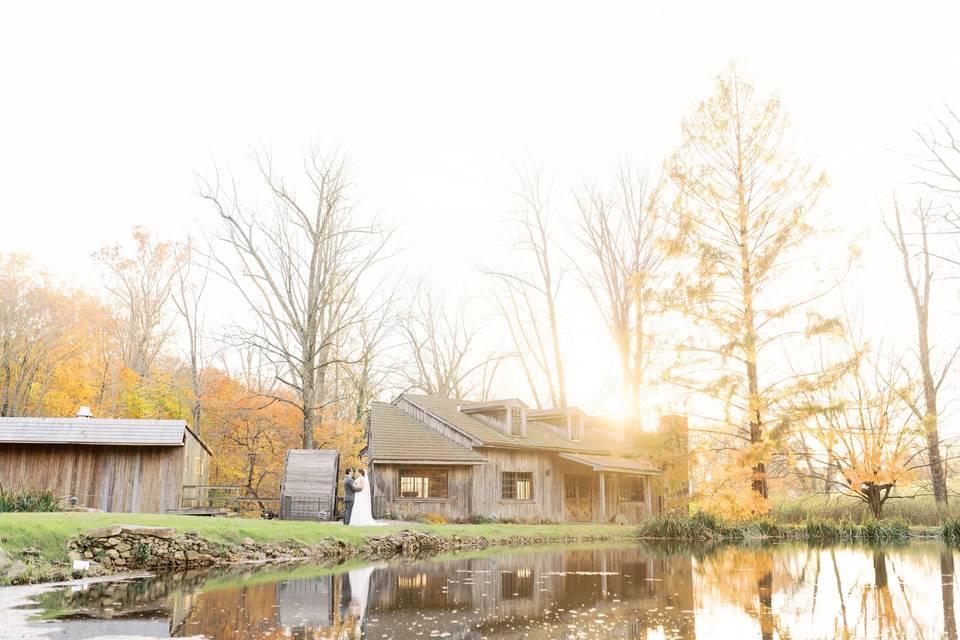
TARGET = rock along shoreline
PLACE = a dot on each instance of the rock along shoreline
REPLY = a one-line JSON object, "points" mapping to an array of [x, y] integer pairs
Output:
{"points": [[122, 549]]}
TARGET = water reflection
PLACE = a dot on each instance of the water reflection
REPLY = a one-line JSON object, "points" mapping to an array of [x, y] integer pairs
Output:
{"points": [[774, 591]]}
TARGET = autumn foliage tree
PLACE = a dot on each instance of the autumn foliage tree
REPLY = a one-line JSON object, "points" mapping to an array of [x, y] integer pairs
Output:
{"points": [[743, 204], [864, 437]]}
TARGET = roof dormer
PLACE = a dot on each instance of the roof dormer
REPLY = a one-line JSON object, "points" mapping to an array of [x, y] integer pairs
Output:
{"points": [[507, 416], [567, 421]]}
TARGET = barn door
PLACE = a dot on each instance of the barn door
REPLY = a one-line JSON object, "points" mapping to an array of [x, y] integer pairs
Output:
{"points": [[578, 498]]}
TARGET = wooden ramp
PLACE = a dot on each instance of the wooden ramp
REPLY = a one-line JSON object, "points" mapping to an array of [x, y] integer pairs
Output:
{"points": [[308, 490]]}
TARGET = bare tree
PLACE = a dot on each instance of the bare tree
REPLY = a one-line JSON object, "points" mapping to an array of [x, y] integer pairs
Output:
{"points": [[527, 297], [442, 347], [623, 233], [299, 266], [140, 285], [187, 294], [365, 371], [939, 158], [919, 273]]}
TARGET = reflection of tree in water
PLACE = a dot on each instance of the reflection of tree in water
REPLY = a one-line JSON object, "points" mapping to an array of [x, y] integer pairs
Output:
{"points": [[646, 590], [946, 591]]}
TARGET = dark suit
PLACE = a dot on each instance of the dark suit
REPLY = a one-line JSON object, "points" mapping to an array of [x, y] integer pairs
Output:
{"points": [[348, 496]]}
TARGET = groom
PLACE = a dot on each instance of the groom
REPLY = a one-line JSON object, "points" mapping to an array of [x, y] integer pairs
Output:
{"points": [[348, 495]]}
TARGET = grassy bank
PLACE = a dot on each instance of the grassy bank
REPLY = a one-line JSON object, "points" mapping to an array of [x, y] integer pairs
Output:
{"points": [[919, 511], [702, 526], [49, 532]]}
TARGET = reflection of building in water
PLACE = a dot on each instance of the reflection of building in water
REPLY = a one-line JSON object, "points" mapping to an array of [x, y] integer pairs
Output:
{"points": [[306, 603], [753, 591], [627, 591]]}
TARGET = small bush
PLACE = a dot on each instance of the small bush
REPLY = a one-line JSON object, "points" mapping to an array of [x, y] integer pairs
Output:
{"points": [[23, 499], [481, 519], [674, 526], [435, 518], [951, 530]]}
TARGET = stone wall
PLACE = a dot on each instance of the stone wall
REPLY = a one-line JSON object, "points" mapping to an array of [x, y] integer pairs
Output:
{"points": [[134, 547]]}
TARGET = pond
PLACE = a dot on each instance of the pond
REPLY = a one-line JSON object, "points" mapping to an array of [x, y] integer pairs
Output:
{"points": [[637, 591]]}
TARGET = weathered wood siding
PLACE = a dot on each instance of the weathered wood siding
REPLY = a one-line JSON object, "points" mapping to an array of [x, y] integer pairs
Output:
{"points": [[476, 490], [196, 461], [111, 478], [309, 475], [386, 488]]}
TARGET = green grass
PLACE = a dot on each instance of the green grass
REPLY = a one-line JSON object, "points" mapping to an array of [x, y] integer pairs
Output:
{"points": [[49, 532], [919, 510], [705, 527]]}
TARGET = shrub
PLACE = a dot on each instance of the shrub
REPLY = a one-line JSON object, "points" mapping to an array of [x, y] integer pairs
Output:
{"points": [[435, 518], [673, 526], [481, 519], [24, 499], [951, 530]]}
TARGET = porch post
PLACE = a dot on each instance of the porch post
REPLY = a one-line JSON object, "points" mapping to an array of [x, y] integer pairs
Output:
{"points": [[603, 498], [648, 495]]}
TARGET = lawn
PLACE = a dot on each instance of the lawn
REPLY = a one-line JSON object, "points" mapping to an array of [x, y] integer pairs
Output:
{"points": [[49, 532]]}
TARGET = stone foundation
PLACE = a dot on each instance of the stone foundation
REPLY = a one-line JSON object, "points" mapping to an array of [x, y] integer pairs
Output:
{"points": [[125, 547]]}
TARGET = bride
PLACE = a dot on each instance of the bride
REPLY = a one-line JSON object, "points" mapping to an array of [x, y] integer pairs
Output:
{"points": [[362, 515]]}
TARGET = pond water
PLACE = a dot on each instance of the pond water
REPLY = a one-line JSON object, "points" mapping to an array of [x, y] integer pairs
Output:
{"points": [[638, 591]]}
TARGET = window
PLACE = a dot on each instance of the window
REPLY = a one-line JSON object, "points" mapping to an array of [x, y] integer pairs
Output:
{"points": [[198, 470], [631, 489], [576, 428], [516, 584], [516, 422], [516, 485], [423, 483]]}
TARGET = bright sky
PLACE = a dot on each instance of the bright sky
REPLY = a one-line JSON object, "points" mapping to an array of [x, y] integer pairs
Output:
{"points": [[108, 109]]}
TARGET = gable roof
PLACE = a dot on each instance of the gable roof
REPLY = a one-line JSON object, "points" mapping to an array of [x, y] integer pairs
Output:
{"points": [[539, 435], [95, 431], [398, 437]]}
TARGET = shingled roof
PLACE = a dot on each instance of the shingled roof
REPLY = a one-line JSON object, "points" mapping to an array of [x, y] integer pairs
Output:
{"points": [[539, 435], [397, 437], [94, 431]]}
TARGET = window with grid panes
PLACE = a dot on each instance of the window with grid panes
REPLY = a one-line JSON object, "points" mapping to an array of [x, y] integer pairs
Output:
{"points": [[423, 483], [516, 485]]}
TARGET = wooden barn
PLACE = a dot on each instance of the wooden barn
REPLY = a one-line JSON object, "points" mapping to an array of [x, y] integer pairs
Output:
{"points": [[308, 490], [134, 466], [504, 460]]}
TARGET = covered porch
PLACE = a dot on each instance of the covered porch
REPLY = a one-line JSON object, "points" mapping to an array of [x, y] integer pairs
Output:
{"points": [[610, 489]]}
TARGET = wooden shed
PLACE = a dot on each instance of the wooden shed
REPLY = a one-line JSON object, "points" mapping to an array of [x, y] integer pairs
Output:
{"points": [[308, 490], [120, 465]]}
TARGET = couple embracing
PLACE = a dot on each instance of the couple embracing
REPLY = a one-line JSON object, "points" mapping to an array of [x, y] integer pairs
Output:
{"points": [[357, 509]]}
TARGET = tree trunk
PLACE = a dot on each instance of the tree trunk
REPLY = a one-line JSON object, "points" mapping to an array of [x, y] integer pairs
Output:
{"points": [[874, 501], [759, 481], [930, 430]]}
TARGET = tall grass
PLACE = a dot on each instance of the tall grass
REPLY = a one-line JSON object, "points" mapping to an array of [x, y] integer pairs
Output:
{"points": [[703, 526], [919, 510], [29, 500]]}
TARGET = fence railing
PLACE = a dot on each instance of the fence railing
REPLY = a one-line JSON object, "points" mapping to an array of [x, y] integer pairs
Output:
{"points": [[231, 498]]}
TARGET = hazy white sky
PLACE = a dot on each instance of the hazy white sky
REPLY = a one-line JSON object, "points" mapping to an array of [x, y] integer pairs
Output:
{"points": [[108, 109]]}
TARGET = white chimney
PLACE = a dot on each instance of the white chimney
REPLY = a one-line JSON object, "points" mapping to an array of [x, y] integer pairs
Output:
{"points": [[84, 412]]}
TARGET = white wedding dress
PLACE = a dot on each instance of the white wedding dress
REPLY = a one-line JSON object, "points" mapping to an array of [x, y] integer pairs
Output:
{"points": [[362, 514]]}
